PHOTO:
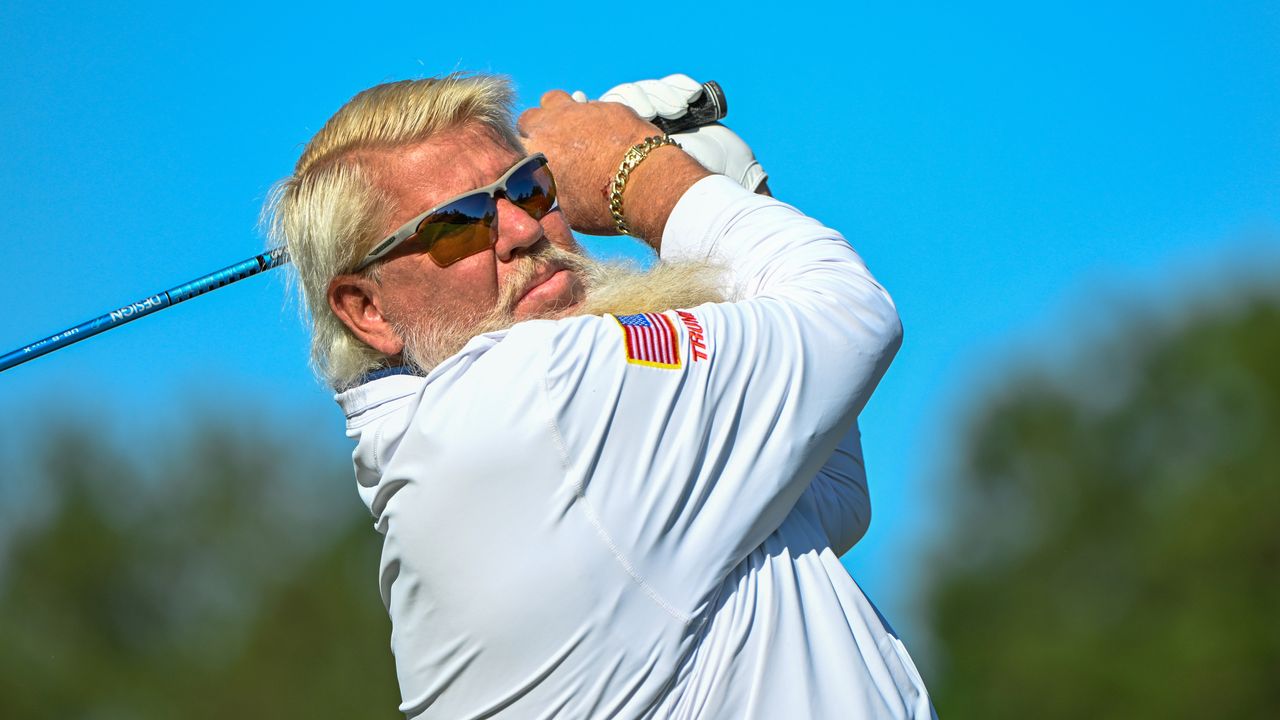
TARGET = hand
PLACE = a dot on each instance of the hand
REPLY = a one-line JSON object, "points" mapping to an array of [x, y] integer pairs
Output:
{"points": [[585, 143], [718, 148]]}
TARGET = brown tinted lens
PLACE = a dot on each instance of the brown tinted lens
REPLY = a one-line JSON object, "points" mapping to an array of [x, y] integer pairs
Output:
{"points": [[458, 230], [533, 189]]}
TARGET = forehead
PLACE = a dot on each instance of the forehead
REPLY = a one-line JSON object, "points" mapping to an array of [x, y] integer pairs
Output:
{"points": [[419, 177]]}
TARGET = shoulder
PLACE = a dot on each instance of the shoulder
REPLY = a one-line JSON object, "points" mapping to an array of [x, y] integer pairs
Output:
{"points": [[641, 338], [577, 359]]}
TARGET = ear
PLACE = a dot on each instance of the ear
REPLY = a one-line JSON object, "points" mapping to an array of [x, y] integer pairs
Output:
{"points": [[357, 301]]}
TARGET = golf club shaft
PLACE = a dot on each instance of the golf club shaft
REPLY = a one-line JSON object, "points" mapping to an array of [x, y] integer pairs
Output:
{"points": [[146, 306]]}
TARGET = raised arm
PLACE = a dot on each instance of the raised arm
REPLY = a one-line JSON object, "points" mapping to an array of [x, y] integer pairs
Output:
{"points": [[688, 466]]}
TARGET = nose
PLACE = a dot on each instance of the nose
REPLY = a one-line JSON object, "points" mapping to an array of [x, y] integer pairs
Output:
{"points": [[517, 230]]}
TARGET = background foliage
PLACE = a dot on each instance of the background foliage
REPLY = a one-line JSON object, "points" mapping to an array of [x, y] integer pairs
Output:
{"points": [[1115, 550], [220, 577]]}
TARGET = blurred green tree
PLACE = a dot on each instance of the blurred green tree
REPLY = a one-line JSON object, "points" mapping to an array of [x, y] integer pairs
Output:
{"points": [[1115, 546], [219, 575]]}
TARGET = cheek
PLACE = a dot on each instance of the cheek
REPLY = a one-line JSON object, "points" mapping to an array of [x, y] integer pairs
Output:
{"points": [[559, 234], [463, 290]]}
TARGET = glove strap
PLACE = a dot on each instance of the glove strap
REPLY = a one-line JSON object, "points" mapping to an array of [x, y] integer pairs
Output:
{"points": [[634, 156]]}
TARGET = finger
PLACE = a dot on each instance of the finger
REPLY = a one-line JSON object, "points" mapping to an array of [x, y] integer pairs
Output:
{"points": [[527, 120], [634, 97], [551, 98], [668, 102], [685, 84]]}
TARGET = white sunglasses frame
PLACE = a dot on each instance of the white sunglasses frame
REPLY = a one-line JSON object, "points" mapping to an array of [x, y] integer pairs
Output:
{"points": [[410, 228]]}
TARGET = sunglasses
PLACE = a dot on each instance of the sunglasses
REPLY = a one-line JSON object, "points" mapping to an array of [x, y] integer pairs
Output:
{"points": [[467, 224]]}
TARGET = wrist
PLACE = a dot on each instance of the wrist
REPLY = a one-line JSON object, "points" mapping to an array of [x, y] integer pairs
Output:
{"points": [[652, 189], [637, 154]]}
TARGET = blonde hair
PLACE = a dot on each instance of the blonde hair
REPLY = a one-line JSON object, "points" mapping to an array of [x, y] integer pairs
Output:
{"points": [[329, 213]]}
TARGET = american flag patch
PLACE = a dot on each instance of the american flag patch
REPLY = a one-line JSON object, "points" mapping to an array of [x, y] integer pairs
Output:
{"points": [[650, 339]]}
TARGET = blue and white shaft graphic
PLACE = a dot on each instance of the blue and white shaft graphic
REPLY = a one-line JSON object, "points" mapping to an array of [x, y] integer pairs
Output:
{"points": [[146, 306]]}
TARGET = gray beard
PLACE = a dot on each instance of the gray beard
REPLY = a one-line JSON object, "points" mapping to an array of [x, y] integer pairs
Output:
{"points": [[615, 288]]}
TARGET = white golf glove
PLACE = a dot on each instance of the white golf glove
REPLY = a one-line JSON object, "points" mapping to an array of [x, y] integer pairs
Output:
{"points": [[717, 147]]}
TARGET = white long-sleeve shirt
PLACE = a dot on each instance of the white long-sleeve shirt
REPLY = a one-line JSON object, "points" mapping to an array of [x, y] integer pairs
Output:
{"points": [[640, 516]]}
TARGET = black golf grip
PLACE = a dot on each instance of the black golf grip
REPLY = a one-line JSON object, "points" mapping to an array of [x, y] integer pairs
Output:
{"points": [[710, 106]]}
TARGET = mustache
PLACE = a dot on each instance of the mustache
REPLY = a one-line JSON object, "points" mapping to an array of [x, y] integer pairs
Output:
{"points": [[540, 260], [427, 345]]}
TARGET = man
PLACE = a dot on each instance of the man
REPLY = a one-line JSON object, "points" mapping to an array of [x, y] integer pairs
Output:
{"points": [[602, 494]]}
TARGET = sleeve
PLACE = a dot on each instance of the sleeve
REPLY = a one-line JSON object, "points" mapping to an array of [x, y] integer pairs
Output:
{"points": [[837, 498], [689, 435]]}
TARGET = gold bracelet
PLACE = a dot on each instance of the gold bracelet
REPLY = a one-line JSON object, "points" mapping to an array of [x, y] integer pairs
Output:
{"points": [[634, 156]]}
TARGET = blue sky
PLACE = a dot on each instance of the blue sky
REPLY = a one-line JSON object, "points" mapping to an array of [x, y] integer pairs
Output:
{"points": [[1014, 173]]}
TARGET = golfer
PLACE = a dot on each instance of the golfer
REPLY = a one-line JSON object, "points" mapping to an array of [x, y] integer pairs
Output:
{"points": [[603, 493]]}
